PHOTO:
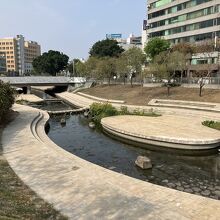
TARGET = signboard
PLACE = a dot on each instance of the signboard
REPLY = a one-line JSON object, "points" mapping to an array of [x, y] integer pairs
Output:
{"points": [[113, 36]]}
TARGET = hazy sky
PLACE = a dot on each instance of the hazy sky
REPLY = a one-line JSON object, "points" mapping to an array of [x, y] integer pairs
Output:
{"points": [[70, 26]]}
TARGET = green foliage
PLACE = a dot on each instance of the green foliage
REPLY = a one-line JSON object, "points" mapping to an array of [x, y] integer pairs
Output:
{"points": [[7, 98], [212, 124], [135, 59], [106, 48], [155, 46], [99, 111], [51, 62], [79, 68]]}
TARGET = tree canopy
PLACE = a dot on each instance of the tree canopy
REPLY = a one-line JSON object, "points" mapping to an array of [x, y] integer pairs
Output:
{"points": [[7, 98], [50, 62], [106, 48], [155, 46]]}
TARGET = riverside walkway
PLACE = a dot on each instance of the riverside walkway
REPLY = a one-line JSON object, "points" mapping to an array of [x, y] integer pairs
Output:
{"points": [[179, 126], [82, 190]]}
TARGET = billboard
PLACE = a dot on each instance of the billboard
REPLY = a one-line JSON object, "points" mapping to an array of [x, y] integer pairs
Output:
{"points": [[113, 36]]}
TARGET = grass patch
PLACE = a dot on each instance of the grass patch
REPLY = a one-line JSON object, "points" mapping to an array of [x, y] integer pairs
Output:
{"points": [[212, 124], [99, 111]]}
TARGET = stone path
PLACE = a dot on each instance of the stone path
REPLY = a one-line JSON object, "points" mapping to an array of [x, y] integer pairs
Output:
{"points": [[82, 190]]}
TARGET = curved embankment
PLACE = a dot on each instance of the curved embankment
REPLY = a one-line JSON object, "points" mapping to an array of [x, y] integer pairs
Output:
{"points": [[168, 131], [82, 190], [179, 127]]}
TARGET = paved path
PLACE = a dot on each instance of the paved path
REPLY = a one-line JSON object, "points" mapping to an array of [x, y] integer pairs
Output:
{"points": [[29, 98], [82, 190], [82, 101], [176, 125], [172, 131]]}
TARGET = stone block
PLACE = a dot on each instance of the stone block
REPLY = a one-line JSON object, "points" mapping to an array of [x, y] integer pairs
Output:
{"points": [[143, 162]]}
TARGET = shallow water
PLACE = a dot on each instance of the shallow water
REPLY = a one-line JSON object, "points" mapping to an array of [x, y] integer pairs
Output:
{"points": [[194, 174]]}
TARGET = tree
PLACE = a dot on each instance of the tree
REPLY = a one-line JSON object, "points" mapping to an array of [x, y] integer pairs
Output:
{"points": [[51, 62], [91, 67], [155, 46], [135, 59], [165, 65], [122, 68], [80, 69], [184, 48], [7, 98], [106, 68], [106, 48]]}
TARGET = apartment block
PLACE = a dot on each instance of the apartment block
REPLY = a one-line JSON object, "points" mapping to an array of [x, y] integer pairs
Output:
{"points": [[2, 63], [19, 54], [183, 20], [31, 50]]}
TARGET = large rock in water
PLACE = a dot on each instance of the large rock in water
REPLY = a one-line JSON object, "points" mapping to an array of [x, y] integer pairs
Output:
{"points": [[143, 162]]}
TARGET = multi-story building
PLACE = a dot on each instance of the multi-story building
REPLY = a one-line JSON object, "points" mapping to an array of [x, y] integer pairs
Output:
{"points": [[2, 63], [31, 50], [19, 54], [183, 20], [131, 41]]}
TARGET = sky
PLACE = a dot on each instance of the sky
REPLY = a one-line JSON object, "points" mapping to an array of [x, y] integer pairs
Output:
{"points": [[70, 26]]}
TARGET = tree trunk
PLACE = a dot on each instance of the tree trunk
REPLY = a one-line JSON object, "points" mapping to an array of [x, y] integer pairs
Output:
{"points": [[181, 77], [200, 91], [109, 81], [124, 80], [131, 81], [168, 90]]}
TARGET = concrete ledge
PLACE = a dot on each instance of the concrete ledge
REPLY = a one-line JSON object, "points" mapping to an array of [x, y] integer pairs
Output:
{"points": [[82, 190], [101, 99], [165, 131], [71, 111], [204, 106]]}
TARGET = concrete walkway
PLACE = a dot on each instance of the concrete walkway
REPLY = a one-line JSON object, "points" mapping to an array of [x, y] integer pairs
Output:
{"points": [[82, 190], [81, 101], [170, 131], [178, 127], [29, 98]]}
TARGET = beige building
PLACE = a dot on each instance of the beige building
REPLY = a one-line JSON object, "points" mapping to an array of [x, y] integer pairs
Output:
{"points": [[19, 54], [31, 50]]}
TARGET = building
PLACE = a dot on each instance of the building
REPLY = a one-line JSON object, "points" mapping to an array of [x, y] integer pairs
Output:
{"points": [[2, 63], [19, 54], [183, 20], [131, 41], [31, 50]]}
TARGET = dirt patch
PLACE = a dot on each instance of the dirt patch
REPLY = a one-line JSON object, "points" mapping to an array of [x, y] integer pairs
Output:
{"points": [[17, 201], [138, 95]]}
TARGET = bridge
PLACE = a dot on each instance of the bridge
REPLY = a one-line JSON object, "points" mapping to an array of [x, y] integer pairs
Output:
{"points": [[43, 81]]}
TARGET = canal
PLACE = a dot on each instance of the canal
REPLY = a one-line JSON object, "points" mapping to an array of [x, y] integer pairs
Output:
{"points": [[193, 174]]}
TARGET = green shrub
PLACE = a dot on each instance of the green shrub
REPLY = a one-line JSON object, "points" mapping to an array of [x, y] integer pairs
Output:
{"points": [[124, 110], [7, 98], [99, 111], [212, 124]]}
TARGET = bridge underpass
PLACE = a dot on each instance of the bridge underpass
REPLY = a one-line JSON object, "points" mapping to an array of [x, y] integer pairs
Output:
{"points": [[26, 82]]}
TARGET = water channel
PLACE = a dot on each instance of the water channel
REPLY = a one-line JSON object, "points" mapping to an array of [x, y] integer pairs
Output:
{"points": [[193, 174]]}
